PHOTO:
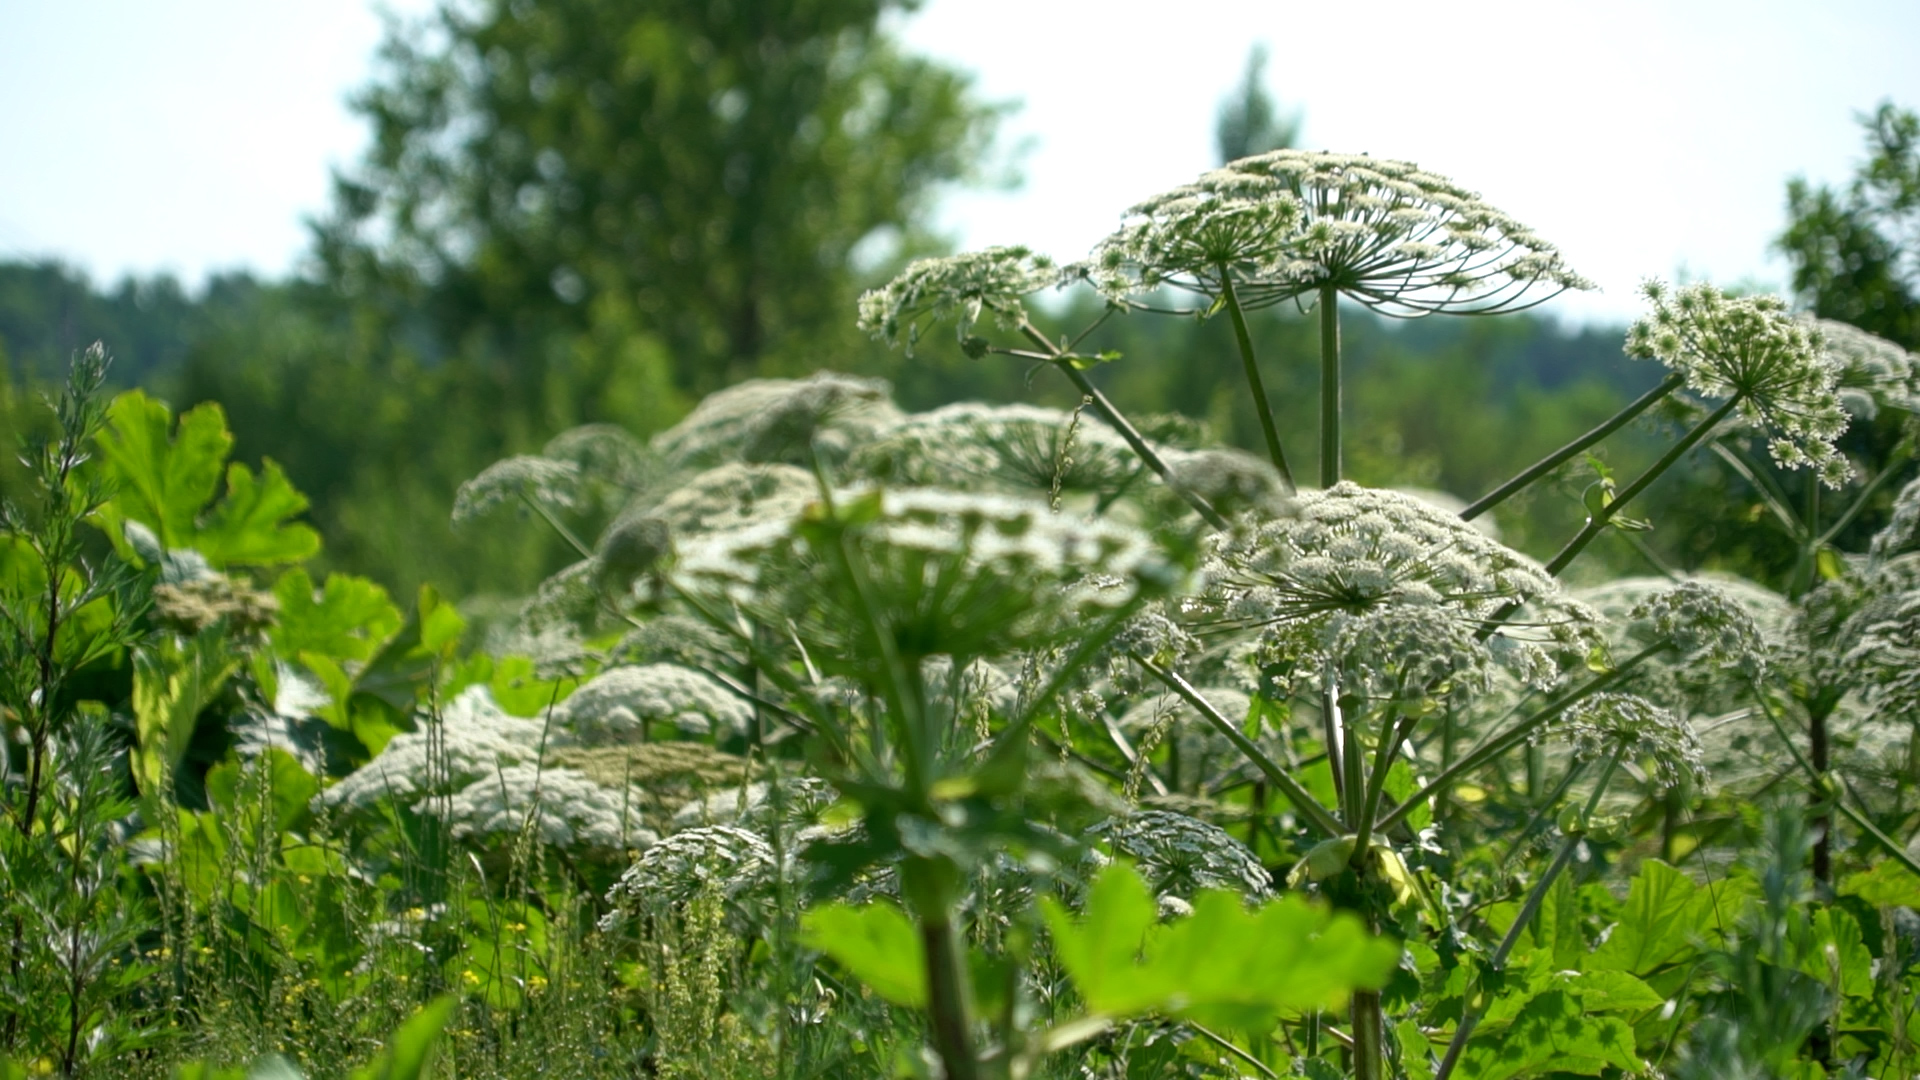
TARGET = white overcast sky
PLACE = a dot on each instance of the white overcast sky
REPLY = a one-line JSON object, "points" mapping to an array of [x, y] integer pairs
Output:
{"points": [[1645, 137]]}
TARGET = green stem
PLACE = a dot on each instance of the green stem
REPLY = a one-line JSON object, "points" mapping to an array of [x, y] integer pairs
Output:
{"points": [[1254, 384], [1559, 457], [1390, 740], [1513, 736], [566, 534], [1329, 386], [1369, 1036], [947, 1005], [1606, 513], [1121, 424], [1291, 788], [1527, 911]]}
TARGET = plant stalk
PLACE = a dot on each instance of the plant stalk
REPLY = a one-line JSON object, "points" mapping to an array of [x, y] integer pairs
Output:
{"points": [[1527, 911], [1329, 386], [947, 1005], [1254, 384], [1559, 457], [1606, 513]]}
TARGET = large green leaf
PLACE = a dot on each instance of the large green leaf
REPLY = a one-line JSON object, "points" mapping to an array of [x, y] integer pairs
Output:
{"points": [[172, 682], [877, 943], [1223, 965], [167, 478], [347, 620], [409, 1054], [1552, 1034], [1665, 916]]}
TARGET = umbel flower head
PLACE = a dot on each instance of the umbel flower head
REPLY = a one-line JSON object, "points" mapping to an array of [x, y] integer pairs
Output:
{"points": [[474, 737], [1639, 731], [1902, 529], [1875, 373], [1750, 349], [1885, 654], [1180, 856], [1395, 591], [722, 860], [1286, 224], [621, 704], [949, 573], [564, 808], [1706, 626], [779, 420], [960, 287], [543, 480], [1022, 448]]}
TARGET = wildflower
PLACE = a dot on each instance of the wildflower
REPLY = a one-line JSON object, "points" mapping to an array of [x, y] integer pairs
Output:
{"points": [[1874, 373], [735, 495], [550, 483], [779, 420], [623, 703], [1355, 567], [1902, 528], [472, 737], [1639, 731], [565, 808], [1288, 223], [1024, 448], [720, 860], [960, 287], [955, 574], [1179, 855], [1750, 350], [613, 464], [191, 606], [751, 806], [1885, 655], [1706, 626], [1231, 481]]}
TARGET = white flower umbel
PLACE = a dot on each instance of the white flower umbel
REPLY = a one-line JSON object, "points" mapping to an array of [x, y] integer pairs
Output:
{"points": [[1233, 481], [549, 483], [1022, 448], [613, 464], [471, 739], [735, 495], [953, 574], [959, 287], [1287, 224], [1180, 856], [1353, 569], [1902, 530], [1707, 627], [779, 420], [621, 704], [1639, 731], [563, 807], [1750, 351], [721, 860], [1875, 373], [752, 806], [1885, 655]]}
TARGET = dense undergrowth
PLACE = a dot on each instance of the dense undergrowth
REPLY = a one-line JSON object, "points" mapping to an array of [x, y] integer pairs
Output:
{"points": [[995, 740]]}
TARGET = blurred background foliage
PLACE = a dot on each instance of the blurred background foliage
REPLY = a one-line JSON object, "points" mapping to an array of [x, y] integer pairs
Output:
{"points": [[587, 211]]}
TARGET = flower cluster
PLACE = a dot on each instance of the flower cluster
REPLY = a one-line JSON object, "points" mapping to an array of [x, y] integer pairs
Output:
{"points": [[1886, 651], [1179, 855], [613, 464], [1285, 224], [779, 420], [1023, 448], [960, 287], [472, 738], [621, 704], [543, 480], [1875, 373], [1353, 569], [1233, 482], [1902, 528], [1749, 349], [952, 573], [1638, 730], [1706, 626], [722, 860], [734, 495], [564, 808]]}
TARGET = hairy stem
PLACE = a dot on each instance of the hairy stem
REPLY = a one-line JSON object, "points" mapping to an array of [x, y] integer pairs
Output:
{"points": [[1559, 457], [1254, 384], [1329, 386]]}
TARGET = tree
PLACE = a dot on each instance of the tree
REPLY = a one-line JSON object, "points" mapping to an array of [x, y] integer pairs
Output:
{"points": [[700, 170], [1248, 122], [1855, 252]]}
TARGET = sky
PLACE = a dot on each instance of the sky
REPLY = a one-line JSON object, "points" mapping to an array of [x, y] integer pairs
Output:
{"points": [[1644, 137]]}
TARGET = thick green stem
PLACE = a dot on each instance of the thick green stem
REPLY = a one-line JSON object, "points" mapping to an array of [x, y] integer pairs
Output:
{"points": [[1329, 386], [948, 1008], [1599, 520], [1369, 1037], [1559, 457], [1527, 911], [566, 534], [1391, 737], [1254, 384]]}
